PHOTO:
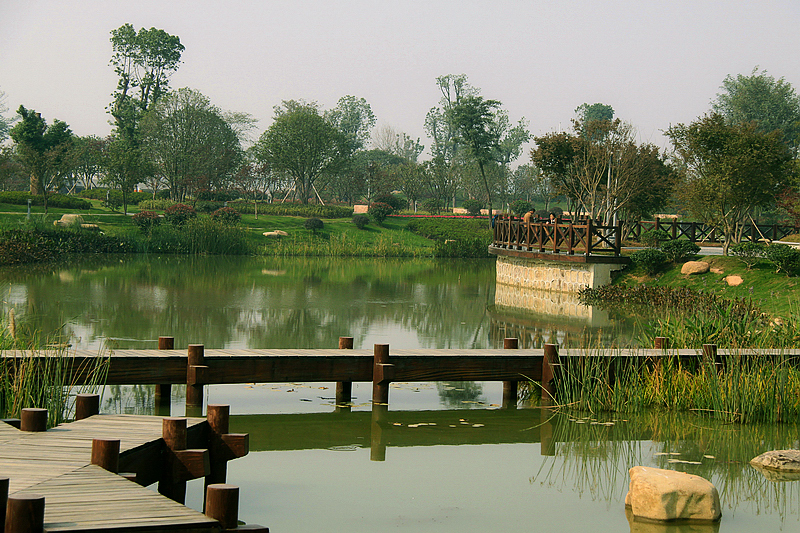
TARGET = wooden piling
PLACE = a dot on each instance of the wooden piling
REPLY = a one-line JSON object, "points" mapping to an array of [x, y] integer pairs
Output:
{"points": [[86, 405], [33, 419], [382, 374], [163, 395], [510, 387], [105, 454], [4, 481], [196, 376], [661, 343], [218, 418], [344, 389], [711, 356], [549, 369], [223, 504], [378, 428], [25, 513], [173, 431]]}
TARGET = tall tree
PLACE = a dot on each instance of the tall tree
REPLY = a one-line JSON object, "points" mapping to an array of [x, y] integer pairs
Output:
{"points": [[589, 112], [191, 144], [772, 104], [398, 143], [476, 127], [5, 122], [353, 117], [87, 156], [303, 144], [729, 169], [43, 150]]}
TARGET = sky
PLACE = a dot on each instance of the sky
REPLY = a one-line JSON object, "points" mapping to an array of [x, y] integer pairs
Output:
{"points": [[657, 63]]}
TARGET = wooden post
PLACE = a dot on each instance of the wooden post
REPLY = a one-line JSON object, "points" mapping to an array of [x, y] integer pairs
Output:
{"points": [[25, 513], [33, 419], [196, 375], [378, 429], [661, 343], [86, 405], [510, 387], [218, 418], [173, 431], [163, 394], [549, 364], [382, 374], [3, 499], [711, 356], [105, 454], [344, 389], [222, 504]]}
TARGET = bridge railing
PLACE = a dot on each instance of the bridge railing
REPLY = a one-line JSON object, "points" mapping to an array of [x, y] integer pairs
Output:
{"points": [[585, 237], [702, 232]]}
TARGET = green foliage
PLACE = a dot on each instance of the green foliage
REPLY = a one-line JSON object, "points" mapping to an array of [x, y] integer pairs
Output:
{"points": [[679, 250], [442, 229], [653, 238], [650, 260], [145, 220], [749, 253], [53, 200], [784, 258], [226, 215], [179, 214], [433, 206], [198, 235], [207, 206], [47, 243], [99, 193], [379, 211], [520, 207], [395, 202], [360, 220], [21, 247], [159, 204], [113, 202], [313, 224], [466, 248], [295, 210], [473, 207]]}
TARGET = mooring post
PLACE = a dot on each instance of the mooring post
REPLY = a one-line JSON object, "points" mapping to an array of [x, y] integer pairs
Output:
{"points": [[25, 513], [86, 405], [510, 387], [105, 454], [378, 428], [549, 366], [548, 443], [382, 374], [173, 431], [196, 375], [344, 389], [222, 504], [3, 499], [33, 419], [164, 390]]}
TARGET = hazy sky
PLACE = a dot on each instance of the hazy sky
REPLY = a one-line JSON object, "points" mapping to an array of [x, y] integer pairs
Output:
{"points": [[655, 62]]}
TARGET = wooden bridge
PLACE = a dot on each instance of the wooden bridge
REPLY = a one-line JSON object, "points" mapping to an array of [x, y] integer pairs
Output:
{"points": [[584, 238]]}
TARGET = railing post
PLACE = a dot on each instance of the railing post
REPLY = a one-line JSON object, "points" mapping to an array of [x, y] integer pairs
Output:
{"points": [[86, 405], [344, 389], [510, 387], [589, 236], [382, 374], [549, 364], [25, 513]]}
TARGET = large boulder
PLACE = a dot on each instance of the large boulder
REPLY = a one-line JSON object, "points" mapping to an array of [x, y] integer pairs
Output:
{"points": [[695, 267], [657, 494], [787, 461]]}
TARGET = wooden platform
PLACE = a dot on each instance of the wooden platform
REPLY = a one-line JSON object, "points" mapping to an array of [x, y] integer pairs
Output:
{"points": [[82, 497]]}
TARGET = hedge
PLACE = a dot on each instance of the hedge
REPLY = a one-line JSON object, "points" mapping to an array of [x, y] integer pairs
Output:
{"points": [[53, 200], [295, 210]]}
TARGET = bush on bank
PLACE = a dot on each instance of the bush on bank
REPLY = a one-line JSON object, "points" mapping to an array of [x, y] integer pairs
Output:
{"points": [[295, 210], [53, 200]]}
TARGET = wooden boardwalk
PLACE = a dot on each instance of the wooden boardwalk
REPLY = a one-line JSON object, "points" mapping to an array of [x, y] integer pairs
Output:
{"points": [[80, 496]]}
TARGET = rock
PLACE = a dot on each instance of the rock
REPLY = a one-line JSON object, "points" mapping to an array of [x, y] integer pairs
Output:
{"points": [[657, 494], [780, 460], [680, 526], [733, 280], [695, 267], [68, 220], [276, 233], [715, 270]]}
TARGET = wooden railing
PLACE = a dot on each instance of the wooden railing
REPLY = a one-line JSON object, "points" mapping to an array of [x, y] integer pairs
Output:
{"points": [[584, 237], [702, 232]]}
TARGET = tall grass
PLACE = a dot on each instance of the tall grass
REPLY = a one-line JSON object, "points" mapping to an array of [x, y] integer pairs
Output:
{"points": [[341, 245], [43, 373]]}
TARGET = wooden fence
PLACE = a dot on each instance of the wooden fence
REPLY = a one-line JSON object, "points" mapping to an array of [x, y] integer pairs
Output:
{"points": [[702, 232], [584, 237]]}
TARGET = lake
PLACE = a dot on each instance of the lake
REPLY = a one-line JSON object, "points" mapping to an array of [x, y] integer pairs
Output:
{"points": [[444, 457]]}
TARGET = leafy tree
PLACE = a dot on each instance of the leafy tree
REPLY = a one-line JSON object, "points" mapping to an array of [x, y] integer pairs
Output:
{"points": [[476, 127], [256, 180], [772, 104], [88, 159], [442, 182], [303, 144], [593, 112], [729, 169], [191, 144], [42, 150], [354, 118], [397, 143], [412, 178], [5, 122]]}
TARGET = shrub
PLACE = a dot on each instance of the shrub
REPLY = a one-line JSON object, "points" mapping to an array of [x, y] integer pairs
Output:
{"points": [[679, 250], [469, 248], [145, 220], [204, 206], [784, 258], [650, 260], [313, 224], [473, 207], [179, 214], [159, 204], [749, 253], [520, 207], [113, 202], [360, 221], [653, 238], [451, 228], [395, 202], [226, 215], [557, 211], [432, 206], [295, 210], [53, 200], [379, 211]]}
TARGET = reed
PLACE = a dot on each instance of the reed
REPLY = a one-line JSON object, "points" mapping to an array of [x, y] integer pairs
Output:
{"points": [[341, 245]]}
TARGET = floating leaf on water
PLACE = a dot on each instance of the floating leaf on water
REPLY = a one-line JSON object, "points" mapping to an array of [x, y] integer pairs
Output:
{"points": [[465, 423], [709, 457], [607, 424], [453, 426], [580, 421], [674, 461], [346, 448], [397, 424], [304, 400], [477, 425], [413, 425], [494, 405]]}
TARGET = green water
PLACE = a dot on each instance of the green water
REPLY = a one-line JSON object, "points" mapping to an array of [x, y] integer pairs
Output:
{"points": [[443, 458]]}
